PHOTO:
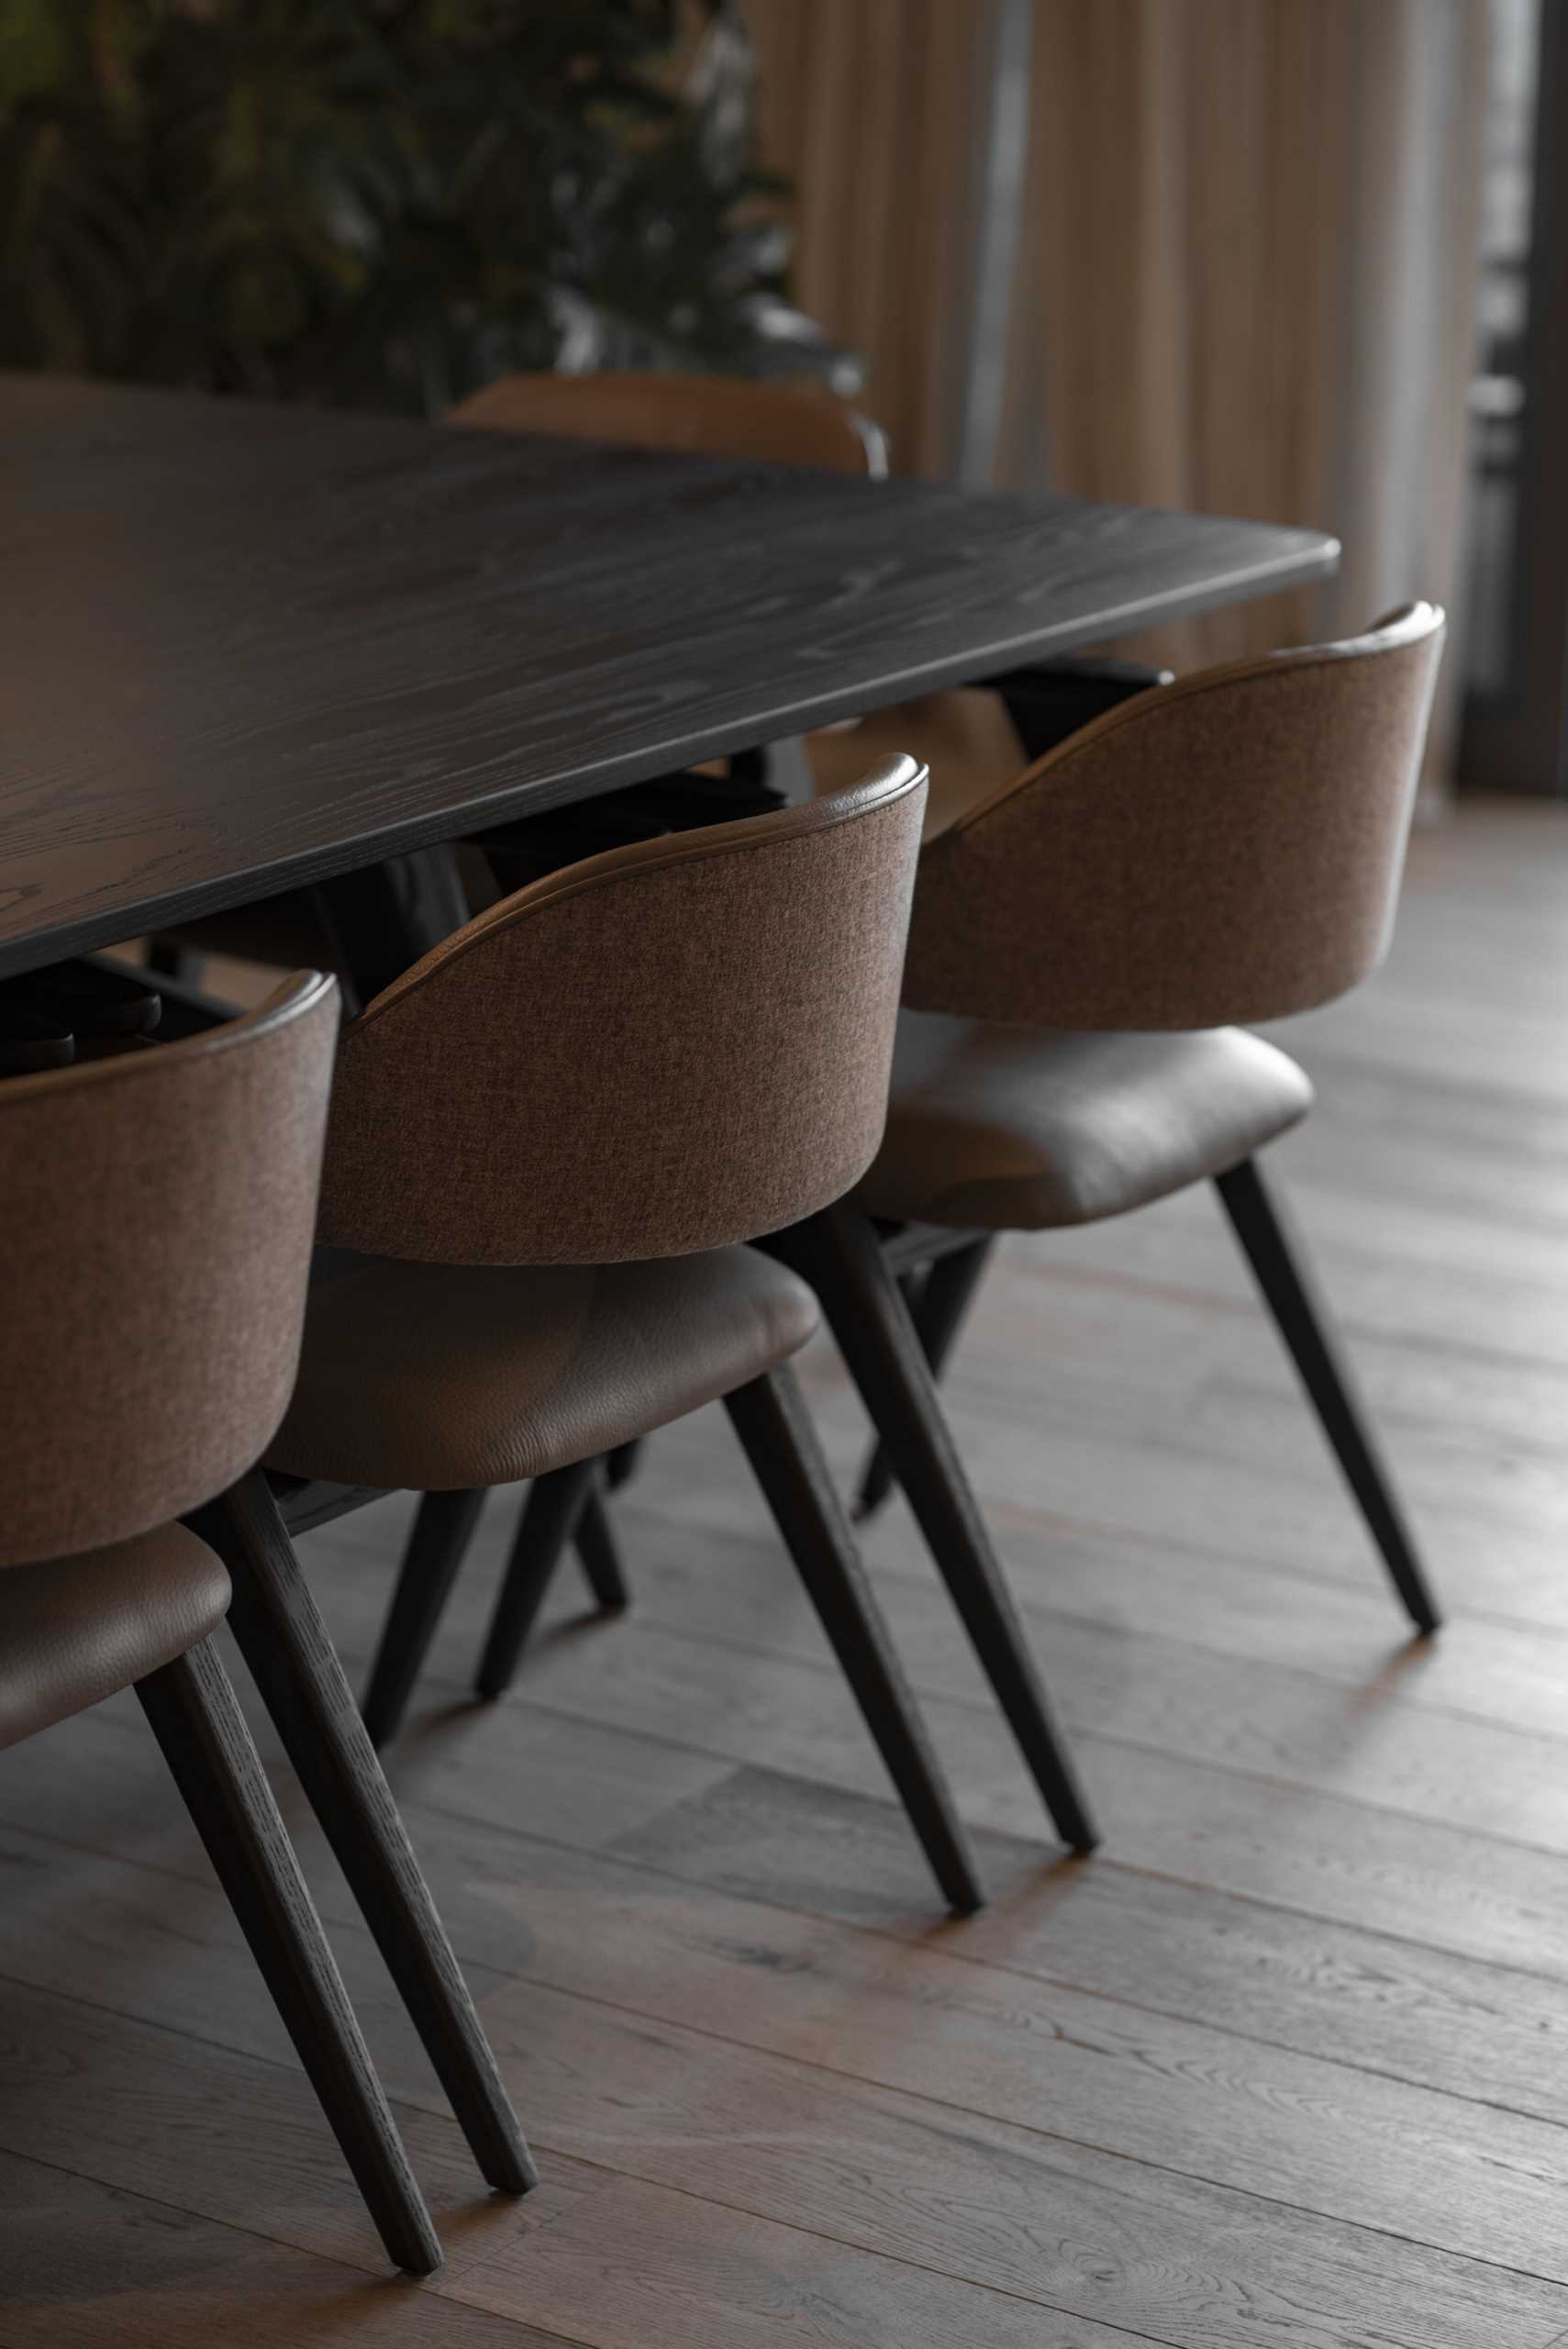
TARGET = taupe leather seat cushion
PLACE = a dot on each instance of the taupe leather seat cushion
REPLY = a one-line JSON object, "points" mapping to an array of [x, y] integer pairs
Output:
{"points": [[451, 1378], [73, 1630], [1025, 1129], [284, 931], [964, 736]]}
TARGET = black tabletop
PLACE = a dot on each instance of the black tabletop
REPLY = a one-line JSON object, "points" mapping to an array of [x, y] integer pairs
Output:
{"points": [[246, 645]]}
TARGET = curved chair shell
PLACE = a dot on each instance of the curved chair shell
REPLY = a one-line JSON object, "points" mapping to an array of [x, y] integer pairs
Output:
{"points": [[709, 416], [679, 1044], [155, 1222], [1226, 849]]}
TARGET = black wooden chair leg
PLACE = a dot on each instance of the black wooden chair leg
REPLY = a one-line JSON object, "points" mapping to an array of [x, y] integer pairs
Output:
{"points": [[199, 1723], [1304, 1324], [620, 1465], [548, 1520], [939, 1306], [596, 1547], [285, 1645], [837, 1252], [168, 960], [437, 1546], [877, 1479], [771, 1420]]}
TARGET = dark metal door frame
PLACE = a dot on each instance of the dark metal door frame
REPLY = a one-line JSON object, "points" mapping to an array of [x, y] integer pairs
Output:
{"points": [[1517, 738]]}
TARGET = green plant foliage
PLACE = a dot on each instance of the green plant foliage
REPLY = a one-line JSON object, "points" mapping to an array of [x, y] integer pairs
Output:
{"points": [[381, 202]]}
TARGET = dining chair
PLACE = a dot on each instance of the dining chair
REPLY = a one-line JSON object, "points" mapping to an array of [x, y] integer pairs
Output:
{"points": [[973, 735], [1085, 942], [1221, 850], [548, 1142], [755, 420], [156, 1212], [367, 926]]}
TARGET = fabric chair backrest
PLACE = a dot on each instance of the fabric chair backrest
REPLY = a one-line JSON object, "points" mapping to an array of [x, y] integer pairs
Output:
{"points": [[1227, 848], [157, 1213], [710, 416], [681, 1043]]}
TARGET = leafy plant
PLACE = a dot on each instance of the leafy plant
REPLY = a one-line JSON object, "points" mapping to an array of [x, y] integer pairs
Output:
{"points": [[383, 202]]}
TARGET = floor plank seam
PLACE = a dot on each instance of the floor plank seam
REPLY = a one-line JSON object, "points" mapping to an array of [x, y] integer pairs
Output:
{"points": [[406, 2101], [1394, 1700], [1217, 2186], [436, 1808], [1354, 1333], [950, 1950], [1083, 1738], [1045, 1526]]}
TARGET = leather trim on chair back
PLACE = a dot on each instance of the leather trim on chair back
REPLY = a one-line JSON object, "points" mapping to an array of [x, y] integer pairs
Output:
{"points": [[1224, 849], [156, 1212], [678, 1044], [709, 416]]}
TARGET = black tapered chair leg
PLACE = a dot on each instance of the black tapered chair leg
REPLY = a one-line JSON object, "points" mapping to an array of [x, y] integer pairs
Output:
{"points": [[548, 1520], [437, 1545], [837, 1252], [168, 960], [620, 1465], [293, 1663], [1304, 1324], [771, 1420], [938, 1308], [594, 1539], [197, 1722], [877, 1479]]}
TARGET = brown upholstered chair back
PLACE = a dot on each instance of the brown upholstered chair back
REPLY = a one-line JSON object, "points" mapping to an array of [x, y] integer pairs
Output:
{"points": [[710, 416], [156, 1212], [680, 1043], [1224, 849]]}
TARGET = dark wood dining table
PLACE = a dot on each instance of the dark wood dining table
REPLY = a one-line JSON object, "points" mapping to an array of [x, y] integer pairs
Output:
{"points": [[248, 647]]}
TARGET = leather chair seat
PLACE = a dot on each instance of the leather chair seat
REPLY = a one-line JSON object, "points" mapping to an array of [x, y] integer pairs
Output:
{"points": [[284, 932], [1028, 1130], [75, 1630], [964, 735], [449, 1377]]}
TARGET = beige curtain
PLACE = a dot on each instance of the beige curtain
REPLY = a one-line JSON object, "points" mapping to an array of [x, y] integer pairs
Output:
{"points": [[1245, 281], [876, 111]]}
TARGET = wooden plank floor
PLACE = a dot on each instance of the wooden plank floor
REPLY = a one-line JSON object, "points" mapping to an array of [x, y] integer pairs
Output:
{"points": [[1285, 2067]]}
